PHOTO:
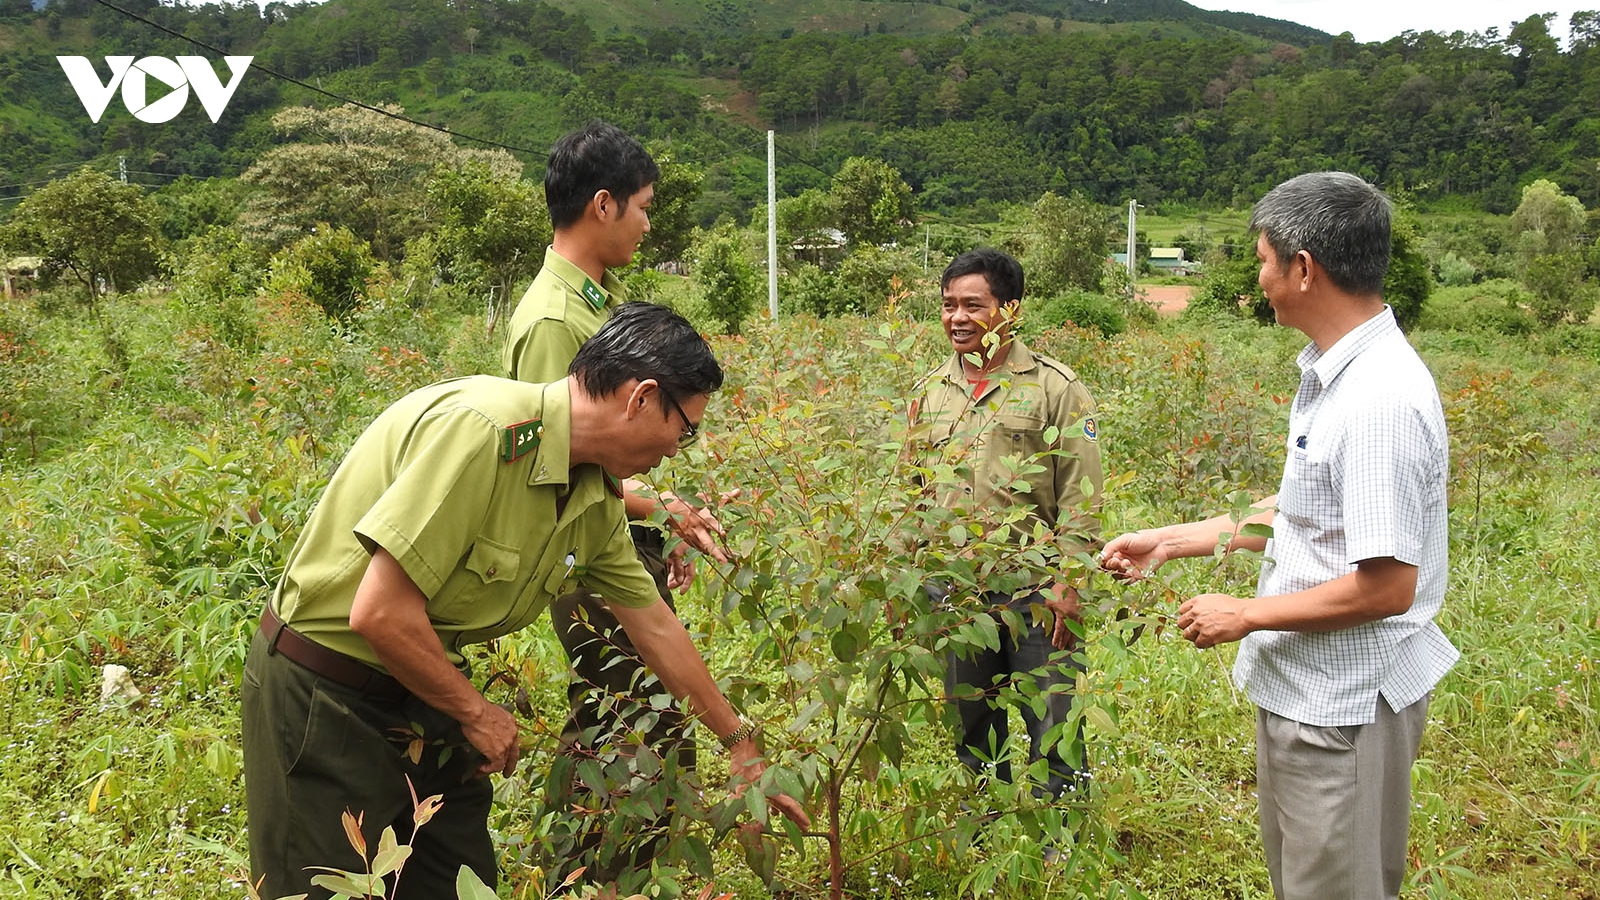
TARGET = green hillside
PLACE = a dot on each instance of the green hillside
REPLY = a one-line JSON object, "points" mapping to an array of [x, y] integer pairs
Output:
{"points": [[974, 103]]}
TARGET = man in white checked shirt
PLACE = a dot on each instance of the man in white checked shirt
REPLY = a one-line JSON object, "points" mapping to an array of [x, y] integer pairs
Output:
{"points": [[1339, 649]]}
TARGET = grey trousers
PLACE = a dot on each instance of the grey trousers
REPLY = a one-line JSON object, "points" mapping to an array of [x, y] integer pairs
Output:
{"points": [[1336, 803]]}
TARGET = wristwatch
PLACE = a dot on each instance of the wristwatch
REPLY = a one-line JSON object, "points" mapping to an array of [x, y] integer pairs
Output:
{"points": [[746, 729]]}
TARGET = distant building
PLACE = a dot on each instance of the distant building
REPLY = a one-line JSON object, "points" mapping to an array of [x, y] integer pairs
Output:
{"points": [[1163, 260], [1169, 259], [20, 274], [823, 247]]}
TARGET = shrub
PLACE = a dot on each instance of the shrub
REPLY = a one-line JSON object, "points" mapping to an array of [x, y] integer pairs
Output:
{"points": [[728, 281], [1409, 281], [867, 278], [1559, 290], [808, 289], [1229, 285], [1085, 309], [330, 266], [217, 281], [1454, 271], [1493, 307]]}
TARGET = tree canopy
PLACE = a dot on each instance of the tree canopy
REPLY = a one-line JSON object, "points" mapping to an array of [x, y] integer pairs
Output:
{"points": [[354, 168], [103, 234]]}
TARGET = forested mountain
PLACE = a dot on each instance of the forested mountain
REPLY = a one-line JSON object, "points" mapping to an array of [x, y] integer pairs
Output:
{"points": [[973, 102]]}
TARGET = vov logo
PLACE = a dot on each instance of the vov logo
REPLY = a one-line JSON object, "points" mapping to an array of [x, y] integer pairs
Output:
{"points": [[133, 77]]}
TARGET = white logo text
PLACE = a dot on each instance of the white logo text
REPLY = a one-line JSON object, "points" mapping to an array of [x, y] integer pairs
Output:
{"points": [[179, 75]]}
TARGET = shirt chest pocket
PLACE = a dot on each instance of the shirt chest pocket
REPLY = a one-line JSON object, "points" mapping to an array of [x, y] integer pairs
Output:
{"points": [[1308, 490], [482, 584], [1011, 449]]}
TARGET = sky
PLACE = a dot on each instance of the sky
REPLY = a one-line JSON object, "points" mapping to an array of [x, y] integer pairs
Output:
{"points": [[1379, 20]]}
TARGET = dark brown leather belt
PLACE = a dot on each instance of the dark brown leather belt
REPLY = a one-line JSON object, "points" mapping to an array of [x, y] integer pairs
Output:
{"points": [[330, 664]]}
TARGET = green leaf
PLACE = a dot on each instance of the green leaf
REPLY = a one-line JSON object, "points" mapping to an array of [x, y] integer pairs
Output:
{"points": [[391, 855], [845, 645], [1100, 721], [1256, 529], [470, 887], [756, 803], [800, 721], [351, 884]]}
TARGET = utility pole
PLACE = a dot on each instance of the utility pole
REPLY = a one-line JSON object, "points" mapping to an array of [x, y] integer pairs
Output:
{"points": [[772, 225], [1133, 264], [122, 168]]}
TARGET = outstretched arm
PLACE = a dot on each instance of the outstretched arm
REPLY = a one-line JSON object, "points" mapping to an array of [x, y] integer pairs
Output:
{"points": [[1138, 554], [665, 646]]}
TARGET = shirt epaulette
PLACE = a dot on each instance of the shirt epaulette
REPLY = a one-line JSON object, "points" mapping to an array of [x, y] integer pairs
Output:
{"points": [[516, 440], [1056, 365]]}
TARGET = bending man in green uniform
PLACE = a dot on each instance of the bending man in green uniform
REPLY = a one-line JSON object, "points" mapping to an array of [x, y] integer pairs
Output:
{"points": [[599, 184], [989, 406], [456, 517]]}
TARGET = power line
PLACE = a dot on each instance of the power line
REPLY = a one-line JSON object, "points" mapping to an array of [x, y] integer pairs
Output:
{"points": [[311, 87]]}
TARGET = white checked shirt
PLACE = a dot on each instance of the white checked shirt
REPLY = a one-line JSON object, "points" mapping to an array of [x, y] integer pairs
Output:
{"points": [[1365, 478]]}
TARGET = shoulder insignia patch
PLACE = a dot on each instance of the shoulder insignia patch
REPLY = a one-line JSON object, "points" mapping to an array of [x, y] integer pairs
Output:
{"points": [[592, 293], [614, 484], [520, 438], [1090, 430]]}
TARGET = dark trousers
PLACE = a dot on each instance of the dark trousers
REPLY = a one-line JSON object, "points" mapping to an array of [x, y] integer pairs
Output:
{"points": [[314, 749], [616, 706], [973, 684]]}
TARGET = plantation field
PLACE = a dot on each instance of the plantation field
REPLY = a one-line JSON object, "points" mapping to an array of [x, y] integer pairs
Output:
{"points": [[155, 466]]}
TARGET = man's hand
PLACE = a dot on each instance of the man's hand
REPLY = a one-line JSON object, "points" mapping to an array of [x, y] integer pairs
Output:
{"points": [[1063, 602], [697, 528], [1134, 556], [1212, 619], [390, 611], [493, 732], [745, 766]]}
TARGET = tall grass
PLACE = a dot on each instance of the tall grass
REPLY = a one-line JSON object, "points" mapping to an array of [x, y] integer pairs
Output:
{"points": [[144, 527]]}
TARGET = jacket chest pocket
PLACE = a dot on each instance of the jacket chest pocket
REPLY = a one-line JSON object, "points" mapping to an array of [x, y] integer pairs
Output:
{"points": [[489, 571], [1011, 451]]}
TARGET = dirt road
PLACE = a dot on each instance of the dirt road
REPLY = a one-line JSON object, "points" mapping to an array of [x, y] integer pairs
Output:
{"points": [[1168, 299]]}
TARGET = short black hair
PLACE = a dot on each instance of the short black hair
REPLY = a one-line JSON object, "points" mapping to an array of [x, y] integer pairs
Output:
{"points": [[1337, 217], [599, 156], [643, 340], [1000, 269]]}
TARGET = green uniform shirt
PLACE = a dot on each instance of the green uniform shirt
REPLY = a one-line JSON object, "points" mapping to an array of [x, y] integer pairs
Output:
{"points": [[459, 482], [1007, 420], [559, 311]]}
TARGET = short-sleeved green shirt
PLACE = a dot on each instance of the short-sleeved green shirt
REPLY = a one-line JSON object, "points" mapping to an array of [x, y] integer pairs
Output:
{"points": [[985, 430], [459, 481], [559, 311]]}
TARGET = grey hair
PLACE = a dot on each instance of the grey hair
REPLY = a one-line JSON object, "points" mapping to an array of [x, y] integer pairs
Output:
{"points": [[1338, 218]]}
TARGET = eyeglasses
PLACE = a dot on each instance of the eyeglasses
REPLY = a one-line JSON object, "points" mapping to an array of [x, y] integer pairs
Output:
{"points": [[691, 432]]}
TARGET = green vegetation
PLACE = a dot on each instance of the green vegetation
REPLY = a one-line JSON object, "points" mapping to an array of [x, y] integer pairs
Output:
{"points": [[972, 102], [161, 446], [150, 498]]}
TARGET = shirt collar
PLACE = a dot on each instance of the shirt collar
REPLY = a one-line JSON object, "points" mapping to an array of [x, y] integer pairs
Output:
{"points": [[552, 466], [610, 285], [1018, 361], [1327, 366], [553, 462]]}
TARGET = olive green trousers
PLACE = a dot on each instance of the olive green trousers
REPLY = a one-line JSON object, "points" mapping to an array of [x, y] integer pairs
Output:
{"points": [[314, 749]]}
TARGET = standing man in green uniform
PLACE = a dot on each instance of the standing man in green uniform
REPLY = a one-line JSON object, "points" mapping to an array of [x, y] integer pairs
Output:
{"points": [[460, 513], [599, 183], [989, 406]]}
